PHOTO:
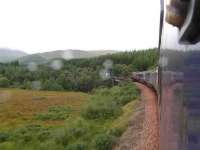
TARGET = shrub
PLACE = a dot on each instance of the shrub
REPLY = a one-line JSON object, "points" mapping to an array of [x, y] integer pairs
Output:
{"points": [[4, 82], [61, 137], [27, 137], [78, 128], [30, 133], [101, 110], [116, 131], [52, 86], [3, 137], [106, 103], [104, 142], [77, 146], [26, 85], [54, 113], [8, 146], [75, 130], [50, 145], [43, 135]]}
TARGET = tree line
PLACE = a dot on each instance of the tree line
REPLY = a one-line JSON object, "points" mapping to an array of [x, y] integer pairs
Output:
{"points": [[77, 74]]}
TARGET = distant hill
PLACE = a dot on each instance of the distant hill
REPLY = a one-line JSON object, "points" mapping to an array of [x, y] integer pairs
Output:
{"points": [[8, 55], [41, 58]]}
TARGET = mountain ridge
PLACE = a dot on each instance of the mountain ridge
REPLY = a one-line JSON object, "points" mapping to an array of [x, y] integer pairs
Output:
{"points": [[8, 55], [44, 57]]}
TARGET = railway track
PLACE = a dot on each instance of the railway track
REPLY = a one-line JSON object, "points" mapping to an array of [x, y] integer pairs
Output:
{"points": [[147, 136], [150, 133]]}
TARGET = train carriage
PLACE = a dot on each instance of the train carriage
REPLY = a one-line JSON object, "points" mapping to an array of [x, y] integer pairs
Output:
{"points": [[179, 75]]}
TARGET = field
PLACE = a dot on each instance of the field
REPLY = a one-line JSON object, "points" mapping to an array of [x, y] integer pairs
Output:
{"points": [[18, 107], [43, 120]]}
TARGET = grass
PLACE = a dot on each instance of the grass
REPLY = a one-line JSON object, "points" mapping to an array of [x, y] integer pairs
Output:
{"points": [[19, 107], [120, 124], [54, 113], [107, 103], [65, 120]]}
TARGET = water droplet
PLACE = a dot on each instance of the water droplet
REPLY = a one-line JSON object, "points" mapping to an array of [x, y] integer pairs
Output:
{"points": [[56, 65], [104, 74], [163, 62], [108, 64], [32, 66], [36, 85], [68, 55]]}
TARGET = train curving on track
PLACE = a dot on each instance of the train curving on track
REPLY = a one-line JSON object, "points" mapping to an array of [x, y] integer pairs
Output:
{"points": [[177, 81], [148, 78], [179, 75]]}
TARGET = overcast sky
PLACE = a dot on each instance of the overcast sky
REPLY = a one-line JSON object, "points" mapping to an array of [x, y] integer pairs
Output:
{"points": [[44, 25]]}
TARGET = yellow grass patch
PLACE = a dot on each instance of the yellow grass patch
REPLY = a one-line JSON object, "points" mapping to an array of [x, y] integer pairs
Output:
{"points": [[17, 107]]}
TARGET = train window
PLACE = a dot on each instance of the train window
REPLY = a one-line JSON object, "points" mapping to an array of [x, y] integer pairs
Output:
{"points": [[77, 74]]}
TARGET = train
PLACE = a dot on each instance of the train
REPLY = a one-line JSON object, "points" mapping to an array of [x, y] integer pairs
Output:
{"points": [[177, 78], [148, 78], [179, 75]]}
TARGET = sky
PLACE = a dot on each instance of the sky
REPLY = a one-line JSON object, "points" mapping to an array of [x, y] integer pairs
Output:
{"points": [[44, 25]]}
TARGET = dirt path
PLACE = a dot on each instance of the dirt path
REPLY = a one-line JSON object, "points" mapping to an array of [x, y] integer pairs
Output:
{"points": [[142, 133]]}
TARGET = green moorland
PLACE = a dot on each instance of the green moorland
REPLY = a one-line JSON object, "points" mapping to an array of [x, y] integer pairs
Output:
{"points": [[73, 105], [40, 120]]}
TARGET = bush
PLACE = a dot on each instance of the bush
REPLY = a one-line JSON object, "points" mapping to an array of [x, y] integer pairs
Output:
{"points": [[124, 93], [43, 135], [49, 145], [116, 131], [3, 137], [101, 110], [4, 82], [30, 133], [54, 113], [26, 85], [78, 128], [104, 142], [52, 86], [77, 146], [75, 130], [8, 146], [61, 137], [106, 103]]}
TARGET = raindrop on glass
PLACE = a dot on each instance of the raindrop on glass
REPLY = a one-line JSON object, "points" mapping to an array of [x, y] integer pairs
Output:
{"points": [[163, 62], [68, 55], [56, 64], [108, 64], [104, 74], [36, 85], [32, 66]]}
